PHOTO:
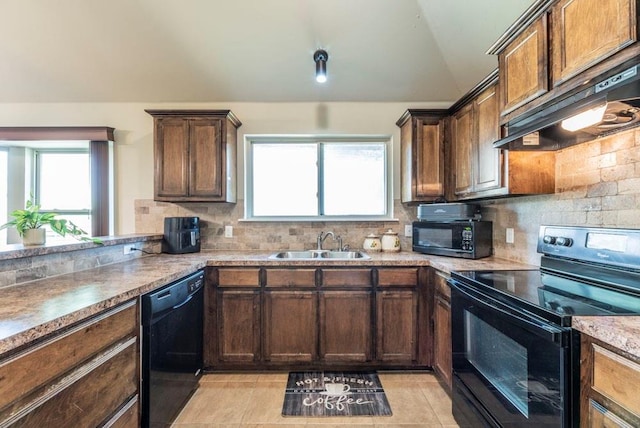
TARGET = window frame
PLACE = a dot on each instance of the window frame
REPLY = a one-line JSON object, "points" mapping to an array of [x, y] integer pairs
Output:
{"points": [[101, 148], [250, 139]]}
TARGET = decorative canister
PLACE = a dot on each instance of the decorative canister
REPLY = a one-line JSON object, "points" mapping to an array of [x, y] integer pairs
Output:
{"points": [[390, 241], [372, 243]]}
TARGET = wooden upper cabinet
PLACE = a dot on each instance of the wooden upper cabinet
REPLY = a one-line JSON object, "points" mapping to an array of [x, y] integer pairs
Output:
{"points": [[584, 32], [523, 67], [195, 155], [461, 144], [481, 171], [422, 155], [477, 165], [488, 173]]}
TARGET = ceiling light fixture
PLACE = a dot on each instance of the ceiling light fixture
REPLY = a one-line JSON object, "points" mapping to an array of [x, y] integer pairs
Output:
{"points": [[320, 57]]}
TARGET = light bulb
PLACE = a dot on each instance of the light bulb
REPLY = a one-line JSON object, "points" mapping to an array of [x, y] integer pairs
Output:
{"points": [[584, 119]]}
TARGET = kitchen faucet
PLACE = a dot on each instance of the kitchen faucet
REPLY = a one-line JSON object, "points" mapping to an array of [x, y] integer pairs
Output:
{"points": [[322, 236]]}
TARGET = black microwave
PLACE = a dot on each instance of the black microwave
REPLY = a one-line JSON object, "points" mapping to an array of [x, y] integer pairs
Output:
{"points": [[465, 239]]}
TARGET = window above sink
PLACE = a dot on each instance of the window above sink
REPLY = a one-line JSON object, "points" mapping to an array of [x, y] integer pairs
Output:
{"points": [[318, 178]]}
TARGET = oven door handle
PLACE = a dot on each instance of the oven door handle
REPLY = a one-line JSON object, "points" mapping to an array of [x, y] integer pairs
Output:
{"points": [[539, 328]]}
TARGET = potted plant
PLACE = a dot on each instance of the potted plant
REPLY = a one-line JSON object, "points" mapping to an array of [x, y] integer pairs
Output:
{"points": [[30, 221]]}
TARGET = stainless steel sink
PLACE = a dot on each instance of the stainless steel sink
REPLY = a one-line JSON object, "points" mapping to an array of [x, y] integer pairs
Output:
{"points": [[344, 255], [319, 255]]}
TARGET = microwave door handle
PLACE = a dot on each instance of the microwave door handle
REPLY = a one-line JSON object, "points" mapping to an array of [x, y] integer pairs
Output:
{"points": [[543, 330], [193, 238]]}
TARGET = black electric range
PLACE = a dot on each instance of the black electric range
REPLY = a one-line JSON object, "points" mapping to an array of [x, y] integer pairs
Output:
{"points": [[515, 356]]}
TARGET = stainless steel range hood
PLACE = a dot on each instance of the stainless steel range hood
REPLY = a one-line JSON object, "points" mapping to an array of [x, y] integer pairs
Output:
{"points": [[541, 128]]}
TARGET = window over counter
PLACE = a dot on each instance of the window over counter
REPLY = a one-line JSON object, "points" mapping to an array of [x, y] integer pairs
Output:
{"points": [[37, 163], [63, 185], [292, 177]]}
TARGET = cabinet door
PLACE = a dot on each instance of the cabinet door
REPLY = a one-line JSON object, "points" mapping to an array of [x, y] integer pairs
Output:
{"points": [[396, 326], [238, 326], [206, 158], [171, 158], [584, 32], [428, 162], [290, 326], [523, 67], [422, 158], [442, 328], [488, 160], [462, 134], [345, 326]]}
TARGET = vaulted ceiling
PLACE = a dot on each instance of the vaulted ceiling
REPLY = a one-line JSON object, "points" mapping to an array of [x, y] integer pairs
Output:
{"points": [[247, 50]]}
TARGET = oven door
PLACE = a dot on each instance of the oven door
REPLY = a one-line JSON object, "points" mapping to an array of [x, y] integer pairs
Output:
{"points": [[510, 369]]}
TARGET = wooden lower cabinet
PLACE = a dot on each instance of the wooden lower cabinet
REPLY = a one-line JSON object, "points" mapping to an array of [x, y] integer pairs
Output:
{"points": [[609, 386], [442, 328], [238, 325], [290, 329], [289, 317], [345, 326], [85, 376], [396, 326]]}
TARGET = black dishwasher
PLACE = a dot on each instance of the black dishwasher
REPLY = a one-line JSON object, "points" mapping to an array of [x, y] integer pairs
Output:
{"points": [[172, 334]]}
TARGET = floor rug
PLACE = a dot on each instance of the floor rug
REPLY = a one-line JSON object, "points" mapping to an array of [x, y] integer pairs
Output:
{"points": [[335, 394]]}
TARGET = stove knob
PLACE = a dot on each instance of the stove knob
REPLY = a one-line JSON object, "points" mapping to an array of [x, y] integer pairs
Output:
{"points": [[548, 239], [565, 242]]}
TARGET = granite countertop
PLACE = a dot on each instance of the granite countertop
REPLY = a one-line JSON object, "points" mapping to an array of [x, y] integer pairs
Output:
{"points": [[622, 332], [33, 310]]}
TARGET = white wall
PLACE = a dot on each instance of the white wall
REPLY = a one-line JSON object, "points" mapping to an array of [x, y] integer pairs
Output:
{"points": [[134, 133]]}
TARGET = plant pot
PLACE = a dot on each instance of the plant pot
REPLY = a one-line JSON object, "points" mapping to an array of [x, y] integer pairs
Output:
{"points": [[34, 237]]}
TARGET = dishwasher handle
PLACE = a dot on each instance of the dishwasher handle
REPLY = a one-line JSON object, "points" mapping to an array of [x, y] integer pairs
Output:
{"points": [[171, 296]]}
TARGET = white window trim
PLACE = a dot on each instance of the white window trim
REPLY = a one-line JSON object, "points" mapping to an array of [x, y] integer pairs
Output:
{"points": [[279, 138]]}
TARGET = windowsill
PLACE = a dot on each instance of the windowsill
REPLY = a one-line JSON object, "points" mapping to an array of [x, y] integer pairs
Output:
{"points": [[317, 220]]}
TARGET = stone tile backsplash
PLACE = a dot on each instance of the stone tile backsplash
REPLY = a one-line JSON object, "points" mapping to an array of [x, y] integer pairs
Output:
{"points": [[268, 236], [597, 184]]}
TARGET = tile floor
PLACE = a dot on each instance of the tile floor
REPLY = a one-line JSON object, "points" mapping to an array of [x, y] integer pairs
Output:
{"points": [[255, 400]]}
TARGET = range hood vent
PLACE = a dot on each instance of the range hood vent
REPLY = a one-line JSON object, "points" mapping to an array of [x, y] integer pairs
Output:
{"points": [[540, 129]]}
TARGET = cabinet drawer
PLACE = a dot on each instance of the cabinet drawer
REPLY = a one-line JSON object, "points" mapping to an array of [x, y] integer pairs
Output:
{"points": [[87, 396], [346, 277], [26, 371], [402, 277], [291, 277], [127, 416], [229, 277], [602, 417], [617, 378]]}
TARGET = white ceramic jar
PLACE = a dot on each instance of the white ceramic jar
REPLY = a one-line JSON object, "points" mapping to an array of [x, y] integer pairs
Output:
{"points": [[372, 243], [390, 241]]}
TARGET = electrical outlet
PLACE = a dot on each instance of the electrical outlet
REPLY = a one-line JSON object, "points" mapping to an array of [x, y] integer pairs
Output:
{"points": [[408, 230], [510, 235], [228, 231], [129, 248]]}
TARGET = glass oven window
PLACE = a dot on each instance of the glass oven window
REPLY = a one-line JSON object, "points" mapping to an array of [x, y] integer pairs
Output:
{"points": [[501, 360], [439, 238]]}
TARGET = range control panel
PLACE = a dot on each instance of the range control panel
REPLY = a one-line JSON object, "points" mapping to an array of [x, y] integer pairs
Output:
{"points": [[619, 247]]}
